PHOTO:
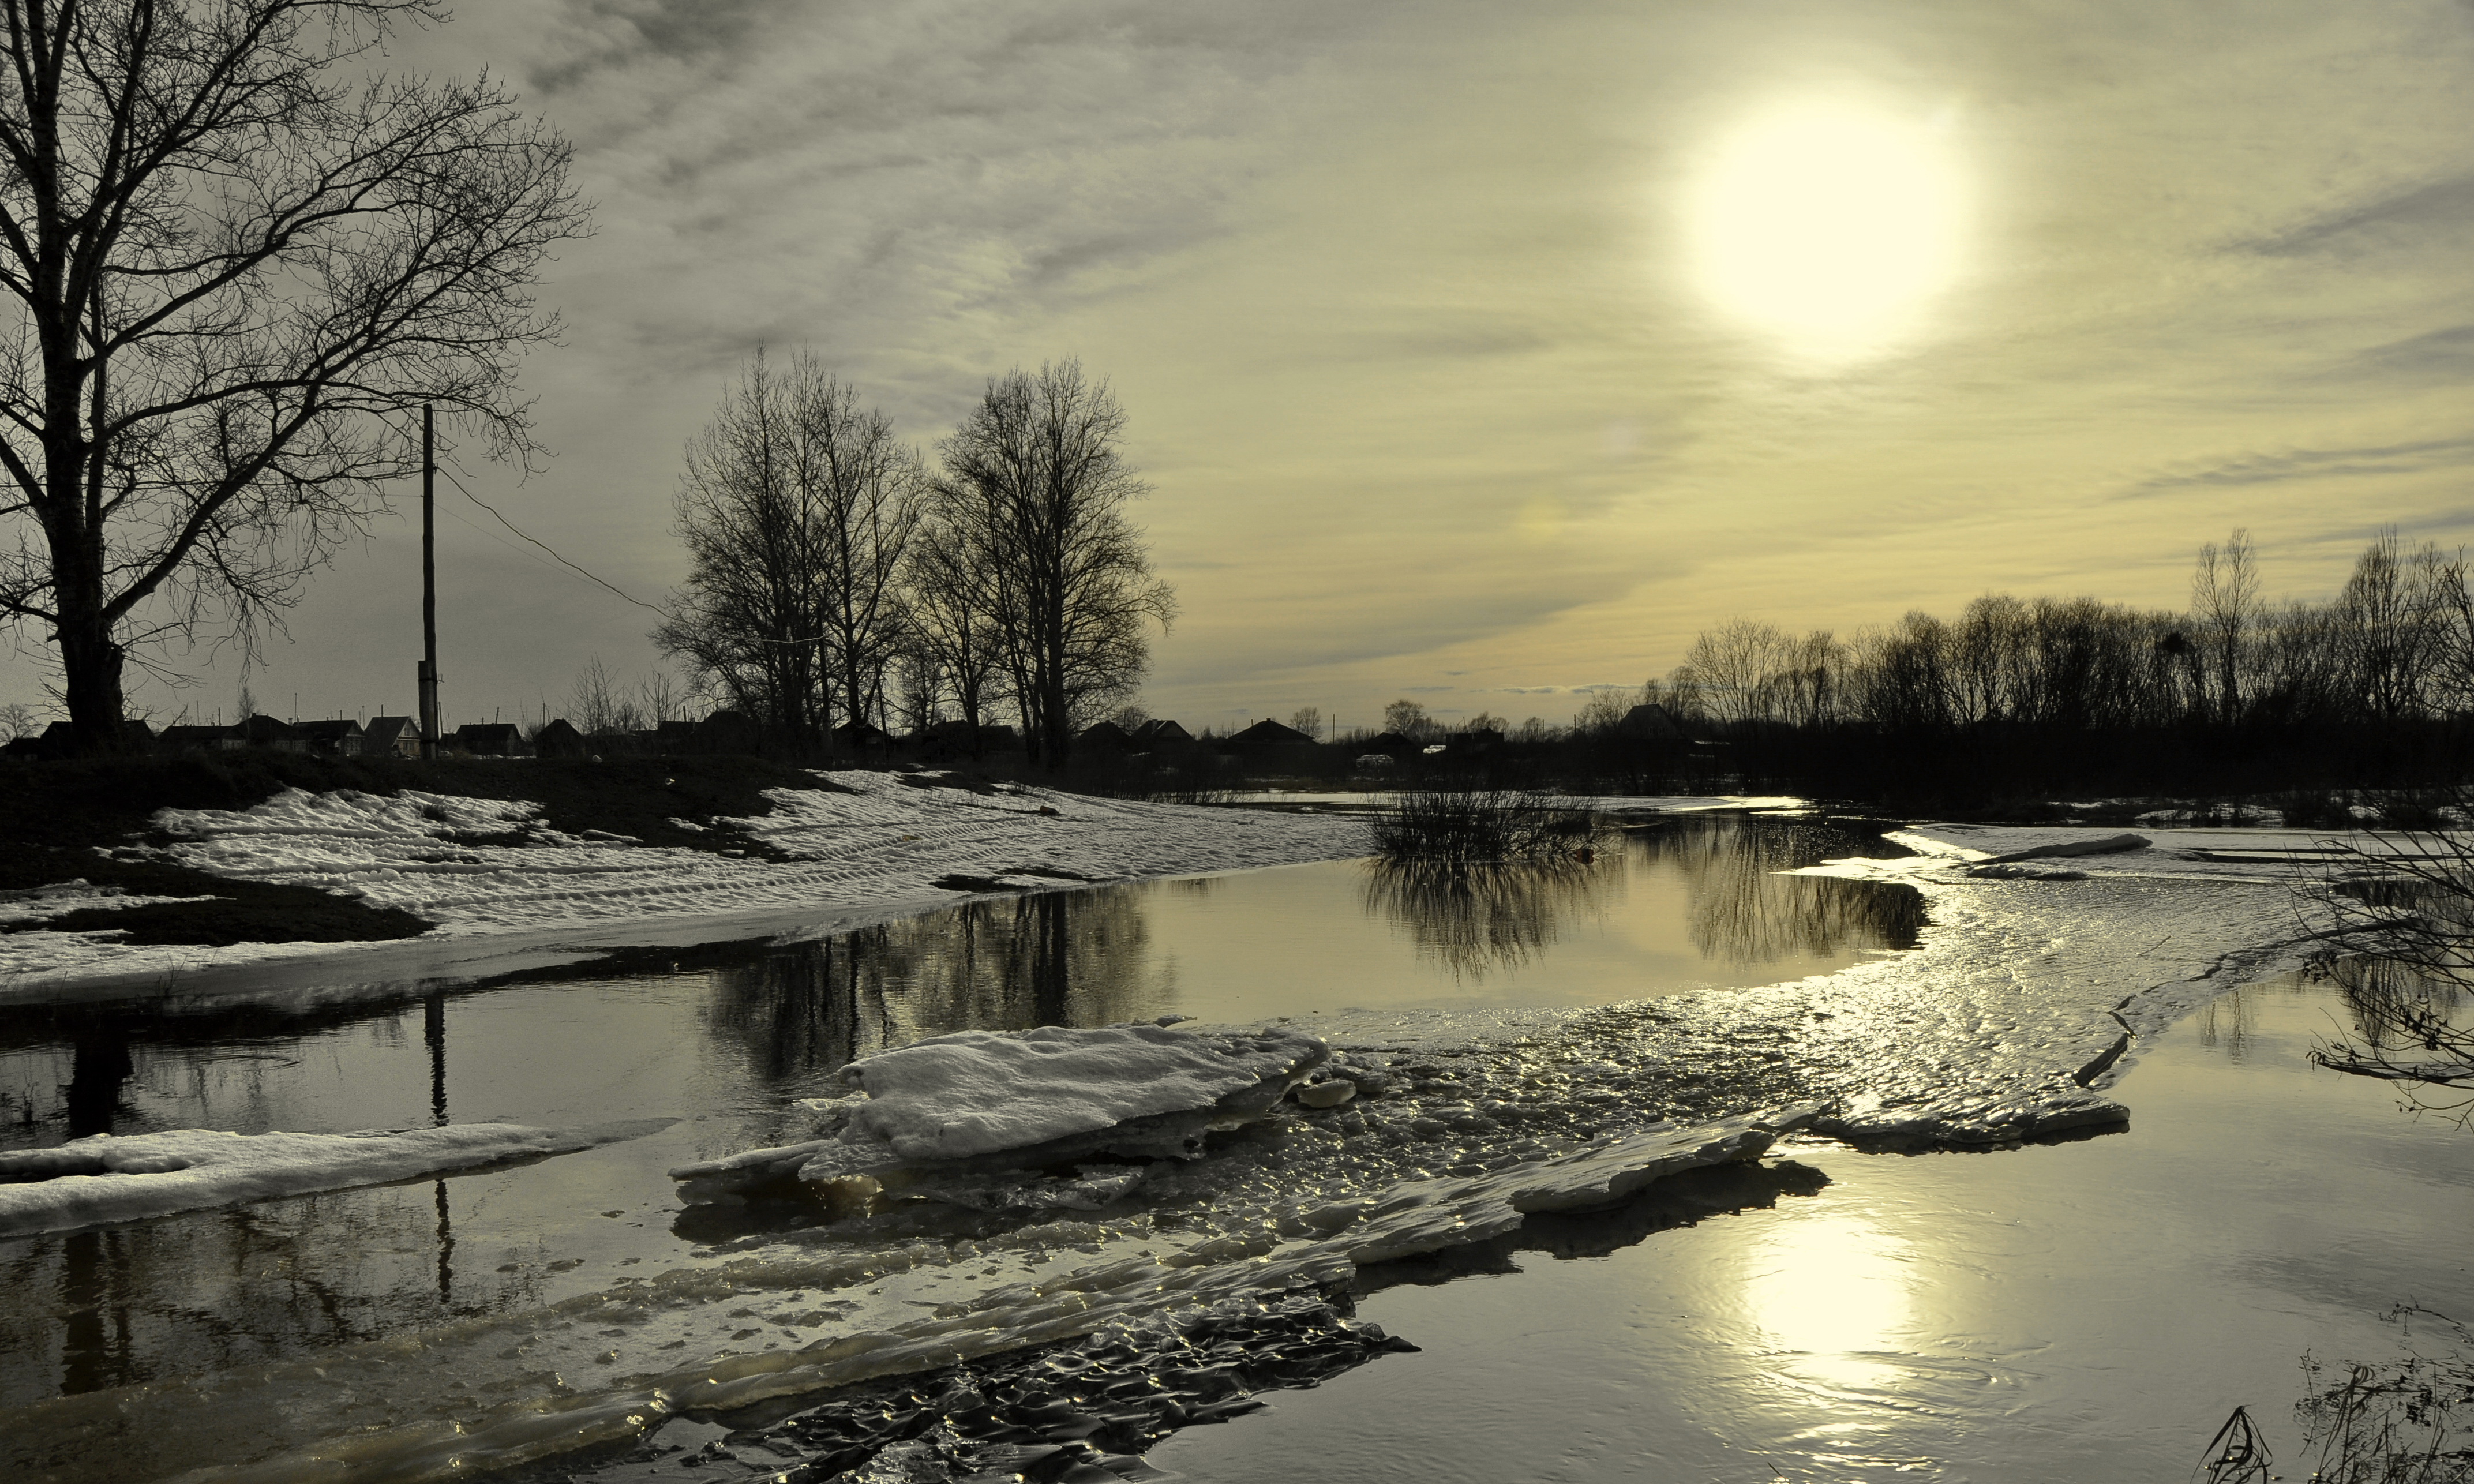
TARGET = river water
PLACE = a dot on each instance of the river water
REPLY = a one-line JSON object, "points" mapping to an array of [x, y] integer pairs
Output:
{"points": [[135, 1351]]}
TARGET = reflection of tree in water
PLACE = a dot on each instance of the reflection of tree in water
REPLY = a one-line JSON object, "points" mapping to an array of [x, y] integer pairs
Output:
{"points": [[1744, 911], [2384, 997], [1069, 958], [1476, 918], [249, 1284], [2225, 1021]]}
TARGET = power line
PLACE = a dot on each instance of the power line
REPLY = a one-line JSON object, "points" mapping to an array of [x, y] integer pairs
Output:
{"points": [[554, 556]]}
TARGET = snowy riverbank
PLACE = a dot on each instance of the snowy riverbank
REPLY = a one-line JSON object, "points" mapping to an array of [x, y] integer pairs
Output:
{"points": [[862, 847]]}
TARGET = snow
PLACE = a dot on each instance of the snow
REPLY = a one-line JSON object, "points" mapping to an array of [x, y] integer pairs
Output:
{"points": [[1037, 1096], [868, 842], [59, 898], [102, 1178], [975, 1092]]}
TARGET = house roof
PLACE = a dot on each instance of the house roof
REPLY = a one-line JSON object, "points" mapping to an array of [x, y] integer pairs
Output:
{"points": [[266, 729], [333, 727], [1270, 733], [1651, 721], [1161, 729]]}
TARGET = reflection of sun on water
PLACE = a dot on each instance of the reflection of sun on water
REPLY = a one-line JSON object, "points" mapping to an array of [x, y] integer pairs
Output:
{"points": [[1828, 226], [1831, 1292]]}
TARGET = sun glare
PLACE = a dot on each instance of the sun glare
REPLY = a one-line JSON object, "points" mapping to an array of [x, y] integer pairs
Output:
{"points": [[1829, 227]]}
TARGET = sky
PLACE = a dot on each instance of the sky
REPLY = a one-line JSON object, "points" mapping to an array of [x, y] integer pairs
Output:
{"points": [[1481, 354]]}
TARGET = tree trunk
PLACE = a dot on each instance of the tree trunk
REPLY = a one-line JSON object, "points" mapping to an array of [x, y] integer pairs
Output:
{"points": [[90, 658]]}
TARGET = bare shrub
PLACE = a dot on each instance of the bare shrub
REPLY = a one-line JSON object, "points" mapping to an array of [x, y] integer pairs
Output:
{"points": [[1483, 827]]}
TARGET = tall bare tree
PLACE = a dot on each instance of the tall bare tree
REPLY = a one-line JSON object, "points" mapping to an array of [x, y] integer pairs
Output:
{"points": [[1036, 487], [954, 619], [2224, 606], [237, 260], [797, 507]]}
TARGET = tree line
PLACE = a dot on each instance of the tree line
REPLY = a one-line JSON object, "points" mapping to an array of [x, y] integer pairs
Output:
{"points": [[2373, 685], [841, 580]]}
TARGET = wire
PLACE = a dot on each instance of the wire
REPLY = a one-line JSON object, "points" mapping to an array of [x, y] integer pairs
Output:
{"points": [[554, 556]]}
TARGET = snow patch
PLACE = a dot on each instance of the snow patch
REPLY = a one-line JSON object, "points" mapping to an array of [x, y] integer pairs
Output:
{"points": [[103, 1177]]}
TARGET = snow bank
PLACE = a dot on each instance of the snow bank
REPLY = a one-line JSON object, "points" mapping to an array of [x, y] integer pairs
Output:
{"points": [[106, 1179], [870, 839]]}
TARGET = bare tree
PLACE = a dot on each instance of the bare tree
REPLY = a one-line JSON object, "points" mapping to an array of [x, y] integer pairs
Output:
{"points": [[1732, 662], [1035, 488], [2224, 607], [797, 507], [600, 702], [1409, 719], [1309, 721], [236, 268], [954, 618], [2394, 611]]}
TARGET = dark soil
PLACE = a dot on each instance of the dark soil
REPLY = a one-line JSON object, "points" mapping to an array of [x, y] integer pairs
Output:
{"points": [[62, 821]]}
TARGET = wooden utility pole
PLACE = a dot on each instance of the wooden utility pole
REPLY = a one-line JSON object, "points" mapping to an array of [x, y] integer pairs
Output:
{"points": [[428, 586]]}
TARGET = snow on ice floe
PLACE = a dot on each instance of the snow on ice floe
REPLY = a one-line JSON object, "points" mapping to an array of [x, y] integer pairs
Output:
{"points": [[866, 841], [965, 1102], [104, 1178]]}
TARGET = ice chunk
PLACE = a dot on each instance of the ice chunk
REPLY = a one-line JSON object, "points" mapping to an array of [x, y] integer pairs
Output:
{"points": [[106, 1179], [980, 1100], [974, 1092], [2101, 846], [1974, 1119]]}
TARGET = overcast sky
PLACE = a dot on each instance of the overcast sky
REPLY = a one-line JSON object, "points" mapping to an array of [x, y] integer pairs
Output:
{"points": [[1481, 353]]}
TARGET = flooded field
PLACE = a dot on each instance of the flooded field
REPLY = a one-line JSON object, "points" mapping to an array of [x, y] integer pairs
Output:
{"points": [[1945, 1301]]}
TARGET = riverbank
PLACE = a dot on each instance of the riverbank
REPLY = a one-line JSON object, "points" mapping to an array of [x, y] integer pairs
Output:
{"points": [[519, 860]]}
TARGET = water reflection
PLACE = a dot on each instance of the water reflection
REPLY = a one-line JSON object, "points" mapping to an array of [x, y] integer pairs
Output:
{"points": [[1741, 911], [1076, 958], [1745, 911], [1486, 918], [1834, 1293]]}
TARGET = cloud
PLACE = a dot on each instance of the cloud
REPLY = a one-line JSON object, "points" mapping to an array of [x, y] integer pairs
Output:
{"points": [[604, 35], [2440, 209], [2439, 355], [2291, 464]]}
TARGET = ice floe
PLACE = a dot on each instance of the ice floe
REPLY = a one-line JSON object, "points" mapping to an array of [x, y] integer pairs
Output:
{"points": [[102, 1178], [978, 1100]]}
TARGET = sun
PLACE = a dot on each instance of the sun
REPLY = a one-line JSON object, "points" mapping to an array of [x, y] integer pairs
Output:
{"points": [[1829, 227]]}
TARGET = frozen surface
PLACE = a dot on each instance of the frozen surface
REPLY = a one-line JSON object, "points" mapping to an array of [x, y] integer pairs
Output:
{"points": [[106, 1179], [869, 841]]}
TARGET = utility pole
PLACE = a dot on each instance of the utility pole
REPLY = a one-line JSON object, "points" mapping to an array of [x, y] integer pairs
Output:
{"points": [[428, 585]]}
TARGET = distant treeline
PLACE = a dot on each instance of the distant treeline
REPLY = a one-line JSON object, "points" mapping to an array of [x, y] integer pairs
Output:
{"points": [[2374, 688]]}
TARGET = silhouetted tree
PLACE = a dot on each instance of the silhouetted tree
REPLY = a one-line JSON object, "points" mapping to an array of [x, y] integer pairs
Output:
{"points": [[236, 265], [1034, 491], [797, 509]]}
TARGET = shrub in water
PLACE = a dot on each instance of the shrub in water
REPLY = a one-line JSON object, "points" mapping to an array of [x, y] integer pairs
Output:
{"points": [[1482, 827]]}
